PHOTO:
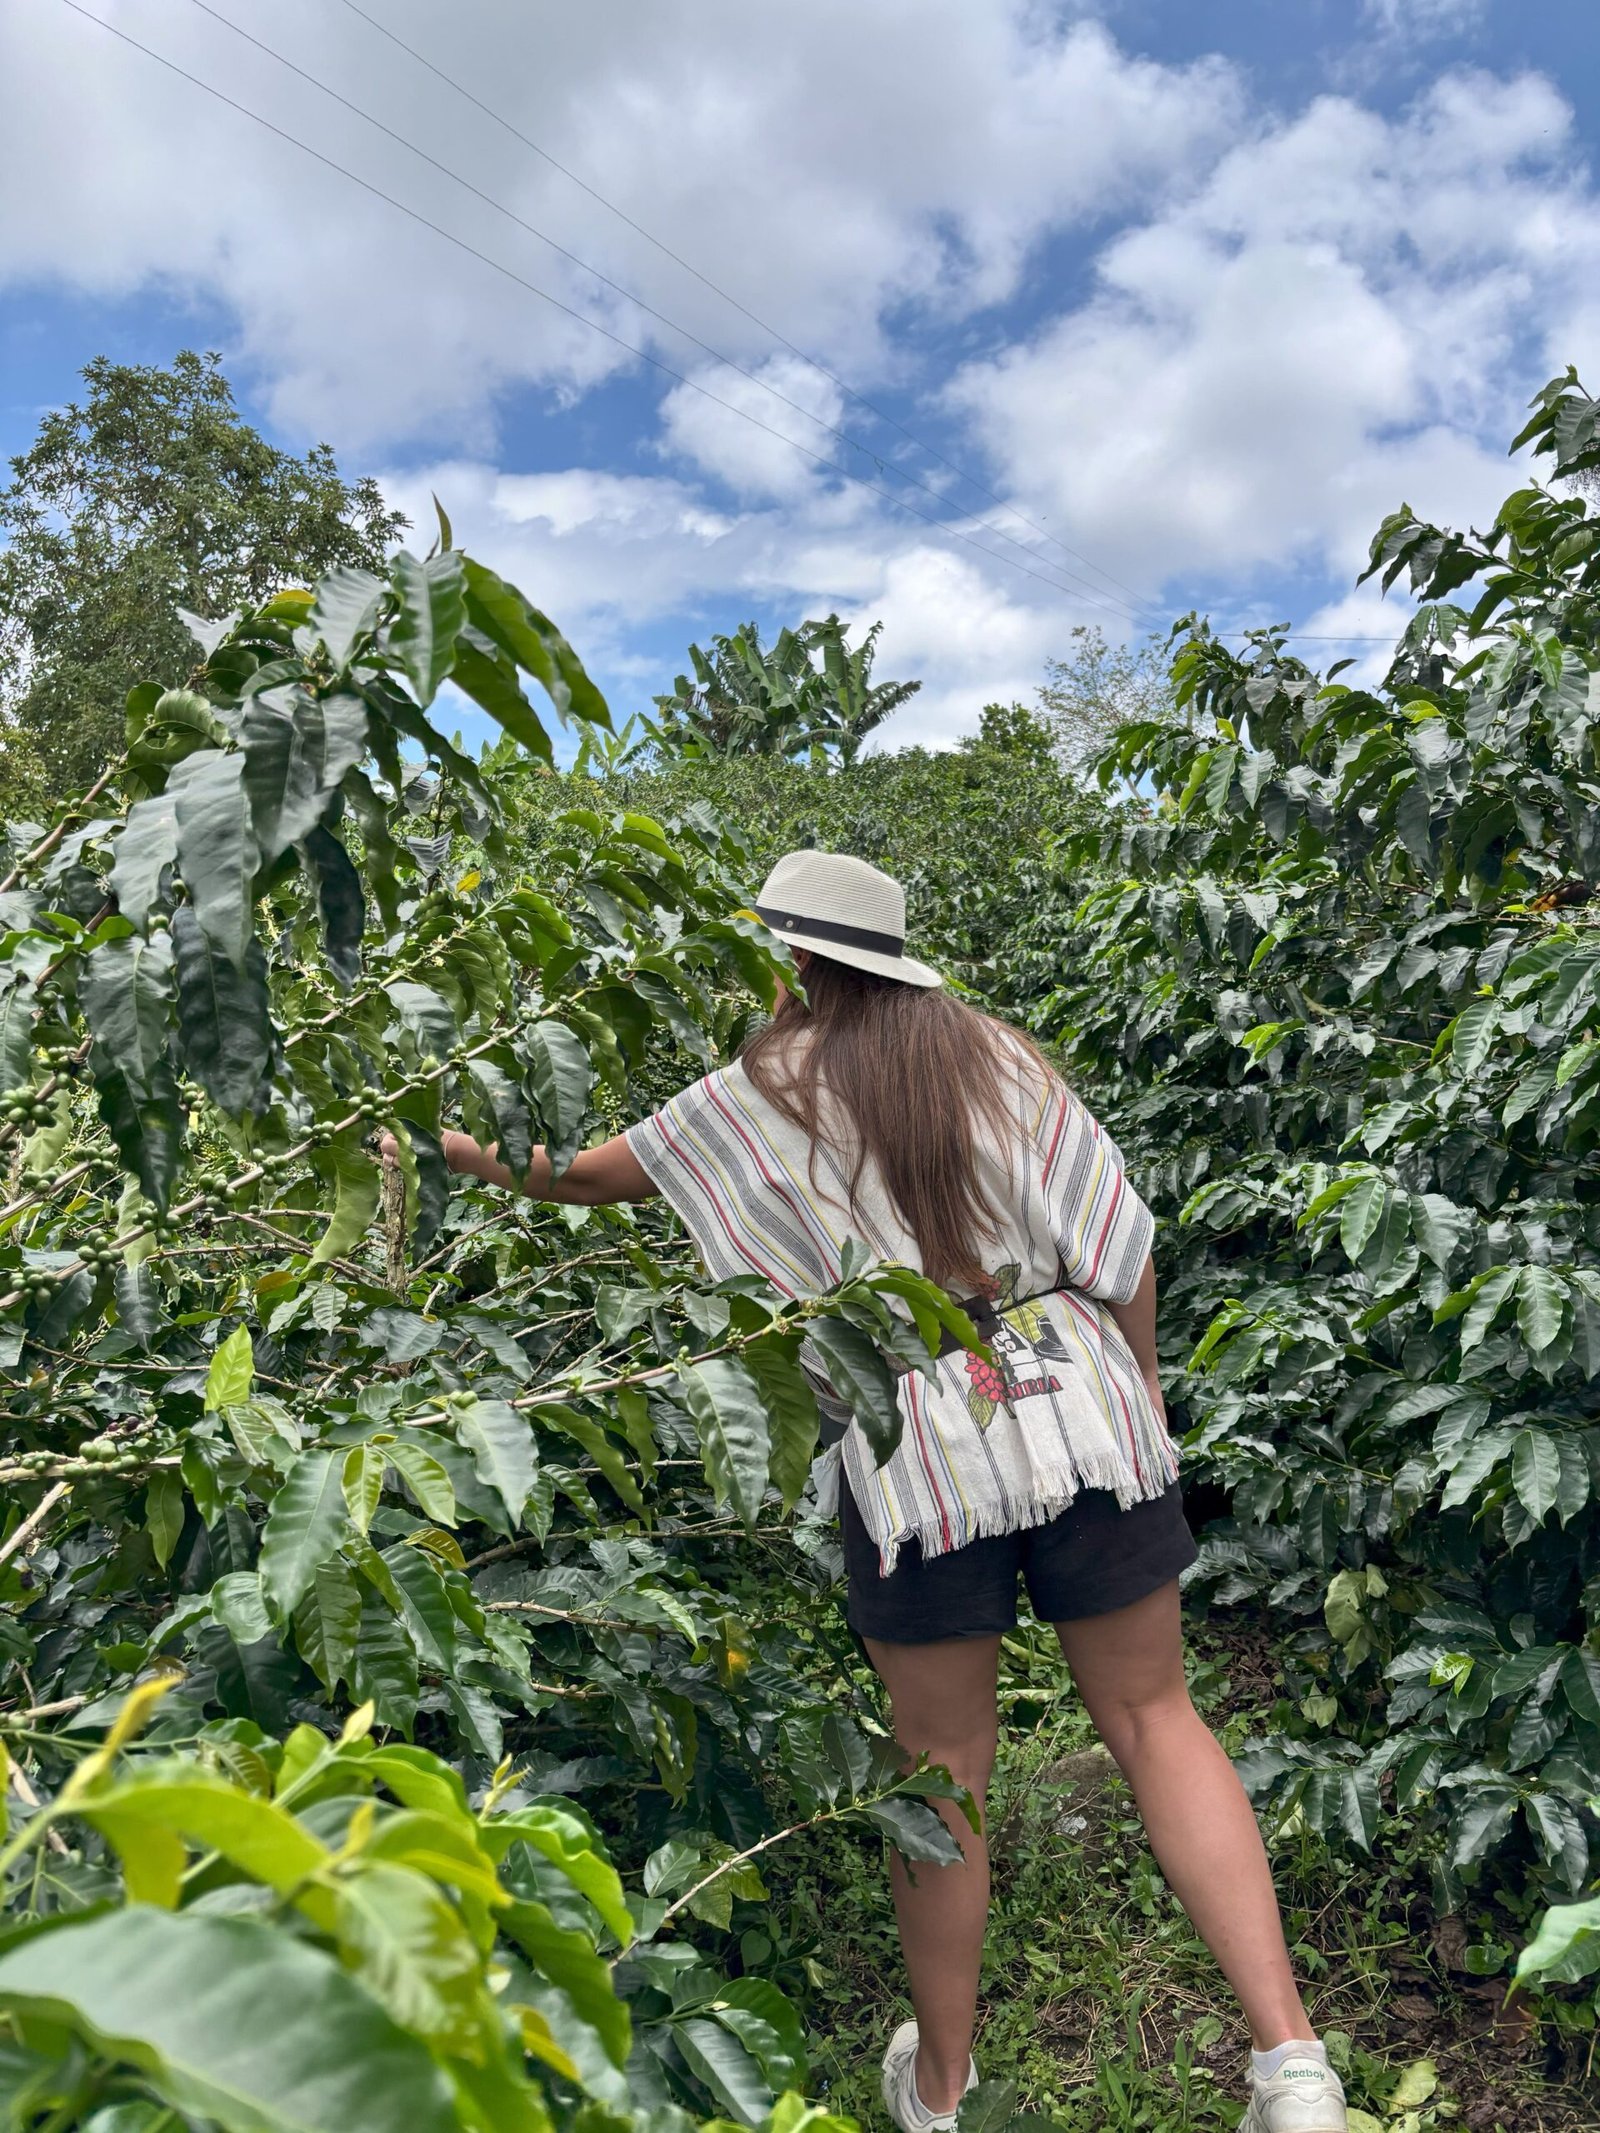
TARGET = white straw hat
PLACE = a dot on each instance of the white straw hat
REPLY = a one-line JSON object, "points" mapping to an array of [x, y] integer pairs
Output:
{"points": [[844, 909]]}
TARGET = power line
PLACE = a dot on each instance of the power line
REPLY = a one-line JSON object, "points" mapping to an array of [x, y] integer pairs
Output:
{"points": [[743, 309], [643, 355], [751, 377]]}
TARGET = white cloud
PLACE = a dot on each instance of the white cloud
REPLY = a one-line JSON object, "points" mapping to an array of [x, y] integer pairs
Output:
{"points": [[1333, 321], [1424, 18], [969, 642], [1293, 320], [1362, 626], [602, 552], [756, 457], [831, 163], [1346, 313], [616, 559]]}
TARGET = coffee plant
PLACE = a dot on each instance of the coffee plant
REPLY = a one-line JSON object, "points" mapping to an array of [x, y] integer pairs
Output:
{"points": [[394, 1723], [967, 830], [1337, 987]]}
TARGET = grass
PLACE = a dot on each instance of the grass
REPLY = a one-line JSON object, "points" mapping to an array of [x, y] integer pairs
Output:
{"points": [[1099, 2002]]}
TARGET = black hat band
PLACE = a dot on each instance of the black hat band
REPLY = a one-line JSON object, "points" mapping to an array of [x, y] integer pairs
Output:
{"points": [[824, 929]]}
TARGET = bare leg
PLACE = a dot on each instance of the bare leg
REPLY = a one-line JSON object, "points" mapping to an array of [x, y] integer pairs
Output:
{"points": [[943, 1698], [1129, 1670]]}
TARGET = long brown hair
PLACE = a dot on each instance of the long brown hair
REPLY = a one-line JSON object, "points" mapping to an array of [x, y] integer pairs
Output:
{"points": [[914, 1072]]}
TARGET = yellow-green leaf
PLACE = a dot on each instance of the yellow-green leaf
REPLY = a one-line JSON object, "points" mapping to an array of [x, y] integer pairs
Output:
{"points": [[232, 1371]]}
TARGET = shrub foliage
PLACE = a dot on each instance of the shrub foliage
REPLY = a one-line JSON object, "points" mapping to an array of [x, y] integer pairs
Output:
{"points": [[410, 1654], [368, 1540], [1337, 986]]}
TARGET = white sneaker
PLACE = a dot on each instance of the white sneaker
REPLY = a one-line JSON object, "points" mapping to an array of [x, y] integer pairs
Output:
{"points": [[900, 2098], [1304, 2096]]}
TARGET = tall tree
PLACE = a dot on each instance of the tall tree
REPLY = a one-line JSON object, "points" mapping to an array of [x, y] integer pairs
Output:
{"points": [[151, 495], [745, 698], [851, 703], [809, 694], [1100, 686]]}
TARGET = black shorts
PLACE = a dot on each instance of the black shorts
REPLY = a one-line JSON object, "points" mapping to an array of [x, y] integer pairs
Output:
{"points": [[1089, 1559]]}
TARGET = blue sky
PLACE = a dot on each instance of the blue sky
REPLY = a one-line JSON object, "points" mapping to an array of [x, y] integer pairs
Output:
{"points": [[1194, 292]]}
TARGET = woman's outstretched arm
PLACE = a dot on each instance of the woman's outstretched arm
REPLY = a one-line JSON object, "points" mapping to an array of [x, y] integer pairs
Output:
{"points": [[594, 1178]]}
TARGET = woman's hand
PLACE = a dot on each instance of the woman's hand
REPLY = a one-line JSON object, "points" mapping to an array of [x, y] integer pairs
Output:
{"points": [[462, 1153], [1152, 1385], [596, 1177]]}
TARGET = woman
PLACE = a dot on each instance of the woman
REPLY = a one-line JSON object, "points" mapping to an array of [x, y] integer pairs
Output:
{"points": [[882, 1108]]}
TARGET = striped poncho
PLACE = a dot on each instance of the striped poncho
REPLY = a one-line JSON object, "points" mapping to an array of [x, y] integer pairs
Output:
{"points": [[981, 1452]]}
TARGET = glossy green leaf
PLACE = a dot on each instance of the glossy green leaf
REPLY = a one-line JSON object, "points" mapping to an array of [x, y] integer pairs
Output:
{"points": [[426, 1606], [128, 992], [386, 1663], [426, 1479], [506, 1114], [231, 1372], [297, 748], [567, 1958], [163, 1512], [564, 1840], [606, 1455], [255, 1835], [1473, 1035], [988, 2107], [432, 608], [1489, 1293], [731, 2074], [1561, 1836], [915, 1831], [327, 1620], [1541, 1306], [361, 1481], [1439, 1226], [793, 1422], [217, 855], [224, 1017], [1535, 1471], [345, 608], [535, 644], [341, 902], [413, 1953], [231, 2021], [861, 1378], [491, 682], [145, 847], [355, 1203], [559, 1078], [766, 2024], [501, 1444], [1566, 1945], [139, 1307], [304, 1526], [735, 1440]]}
